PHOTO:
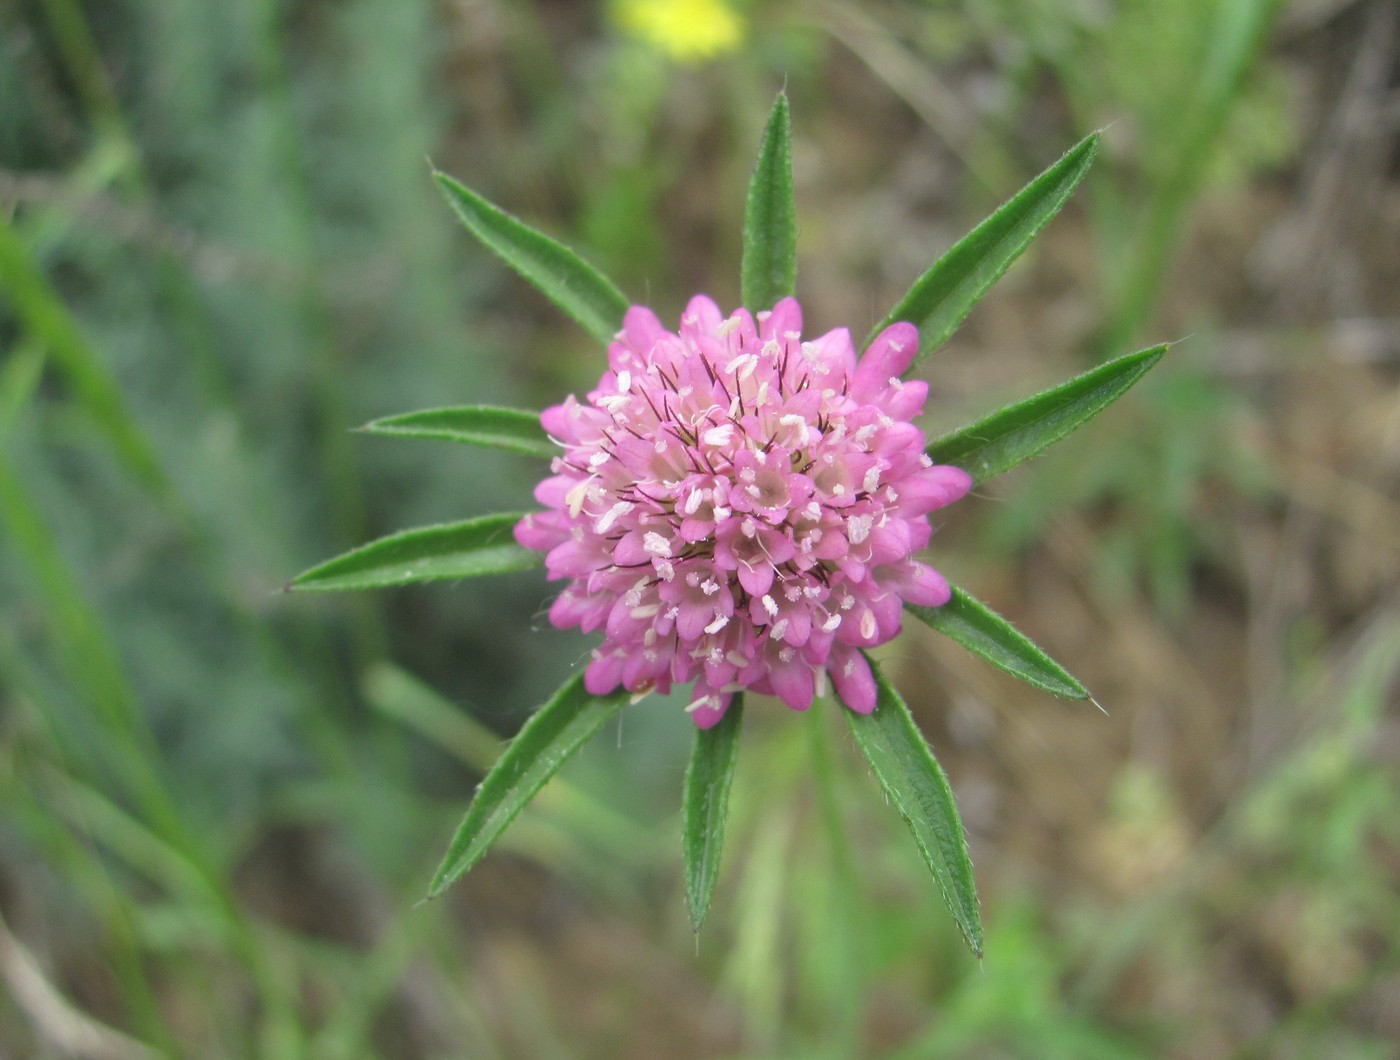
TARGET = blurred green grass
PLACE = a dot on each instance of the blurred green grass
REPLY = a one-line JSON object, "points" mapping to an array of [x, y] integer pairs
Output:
{"points": [[220, 249]]}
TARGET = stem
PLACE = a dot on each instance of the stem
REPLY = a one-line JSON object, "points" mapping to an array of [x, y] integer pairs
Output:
{"points": [[847, 928]]}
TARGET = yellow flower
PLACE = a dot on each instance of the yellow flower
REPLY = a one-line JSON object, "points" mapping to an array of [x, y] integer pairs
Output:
{"points": [[689, 31]]}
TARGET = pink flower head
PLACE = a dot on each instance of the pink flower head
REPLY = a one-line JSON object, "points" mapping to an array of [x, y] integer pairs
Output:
{"points": [[739, 508]]}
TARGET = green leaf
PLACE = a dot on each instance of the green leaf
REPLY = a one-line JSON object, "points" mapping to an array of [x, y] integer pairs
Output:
{"points": [[769, 268], [1014, 434], [983, 632], [946, 293], [429, 553], [556, 271], [915, 783], [548, 740], [706, 804], [47, 318], [497, 428]]}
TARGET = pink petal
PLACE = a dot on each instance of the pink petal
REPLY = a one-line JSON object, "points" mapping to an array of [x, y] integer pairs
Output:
{"points": [[604, 672], [918, 583], [784, 318], [852, 679], [715, 706], [888, 357]]}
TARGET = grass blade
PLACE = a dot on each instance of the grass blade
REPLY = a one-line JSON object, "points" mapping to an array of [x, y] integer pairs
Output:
{"points": [[47, 319], [515, 429], [915, 783], [1012, 435], [467, 549], [983, 632], [706, 805], [946, 293], [768, 271], [557, 272], [548, 740]]}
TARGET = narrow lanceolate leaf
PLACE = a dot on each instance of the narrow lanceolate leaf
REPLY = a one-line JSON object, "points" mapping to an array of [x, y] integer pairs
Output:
{"points": [[1014, 434], [429, 553], [548, 740], [983, 632], [706, 804], [560, 275], [917, 786], [946, 293], [496, 428], [769, 268]]}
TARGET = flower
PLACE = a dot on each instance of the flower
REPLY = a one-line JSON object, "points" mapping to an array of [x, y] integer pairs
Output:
{"points": [[740, 508], [689, 31]]}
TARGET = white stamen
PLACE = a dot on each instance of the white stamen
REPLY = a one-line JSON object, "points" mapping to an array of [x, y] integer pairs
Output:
{"points": [[867, 625], [655, 544], [646, 611], [718, 435], [624, 381], [611, 516], [633, 596], [575, 498], [770, 605], [718, 624]]}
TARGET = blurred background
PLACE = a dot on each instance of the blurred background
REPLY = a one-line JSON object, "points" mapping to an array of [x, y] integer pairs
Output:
{"points": [[220, 250]]}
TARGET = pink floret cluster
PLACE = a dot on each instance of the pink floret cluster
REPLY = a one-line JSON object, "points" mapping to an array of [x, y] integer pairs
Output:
{"points": [[739, 508]]}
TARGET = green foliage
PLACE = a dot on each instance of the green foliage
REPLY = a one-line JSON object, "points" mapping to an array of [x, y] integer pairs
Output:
{"points": [[560, 275], [705, 807], [915, 783], [466, 549], [1012, 435], [768, 271], [495, 428], [983, 632], [552, 735], [943, 296]]}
